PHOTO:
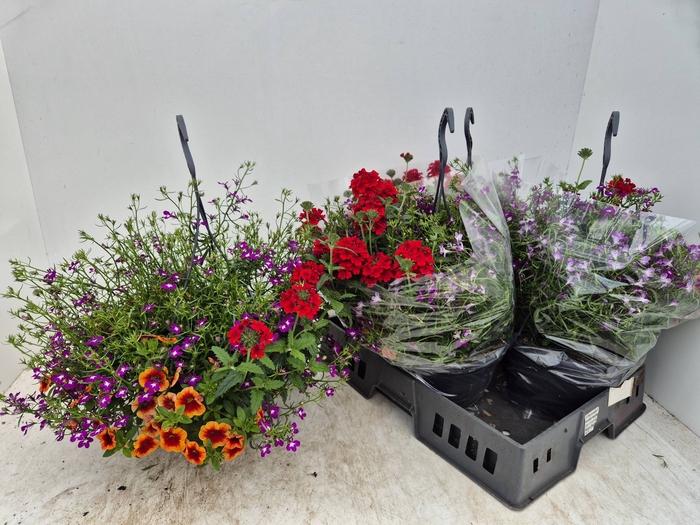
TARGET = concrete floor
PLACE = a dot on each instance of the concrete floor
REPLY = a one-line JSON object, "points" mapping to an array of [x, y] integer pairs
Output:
{"points": [[358, 463]]}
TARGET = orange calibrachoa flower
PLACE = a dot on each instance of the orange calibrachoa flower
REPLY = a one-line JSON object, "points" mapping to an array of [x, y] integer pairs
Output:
{"points": [[235, 441], [107, 439], [259, 415], [173, 439], [144, 445], [44, 384], [144, 410], [233, 452], [167, 401], [194, 453], [151, 428], [192, 401], [215, 432], [154, 377]]}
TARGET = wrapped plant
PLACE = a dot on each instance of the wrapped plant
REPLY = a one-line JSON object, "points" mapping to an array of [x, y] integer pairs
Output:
{"points": [[431, 291], [598, 277], [160, 336]]}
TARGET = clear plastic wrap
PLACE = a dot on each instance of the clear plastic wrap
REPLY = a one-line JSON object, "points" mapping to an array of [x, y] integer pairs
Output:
{"points": [[459, 318], [596, 284]]}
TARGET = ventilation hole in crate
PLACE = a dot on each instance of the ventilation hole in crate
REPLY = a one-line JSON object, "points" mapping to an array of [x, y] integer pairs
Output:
{"points": [[437, 425], [535, 465], [506, 432], [453, 437], [490, 458], [636, 394], [566, 430], [362, 369], [351, 364], [472, 448], [627, 401], [549, 455]]}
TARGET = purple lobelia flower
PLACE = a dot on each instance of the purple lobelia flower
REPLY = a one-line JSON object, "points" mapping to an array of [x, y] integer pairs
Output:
{"points": [[201, 322], [301, 413], [94, 341], [169, 286], [104, 400], [265, 450], [148, 307], [293, 445], [286, 324], [123, 369]]}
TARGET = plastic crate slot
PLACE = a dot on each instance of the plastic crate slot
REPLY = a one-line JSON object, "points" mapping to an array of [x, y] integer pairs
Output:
{"points": [[490, 459], [549, 455], [472, 448], [437, 424], [636, 394], [627, 401], [454, 436], [362, 370], [351, 364], [535, 465]]}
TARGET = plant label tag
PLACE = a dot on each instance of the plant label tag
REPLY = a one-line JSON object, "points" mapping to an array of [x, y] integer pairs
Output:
{"points": [[615, 395], [590, 420]]}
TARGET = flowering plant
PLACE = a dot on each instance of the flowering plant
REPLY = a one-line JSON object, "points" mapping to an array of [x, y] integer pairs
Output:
{"points": [[161, 337], [599, 276], [430, 290]]}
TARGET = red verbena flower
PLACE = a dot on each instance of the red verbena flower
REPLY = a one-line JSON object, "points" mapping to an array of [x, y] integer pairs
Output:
{"points": [[301, 299], [309, 273], [351, 255], [434, 169], [621, 187], [378, 222], [381, 268], [250, 335], [368, 185], [412, 175], [312, 217], [421, 256], [320, 248]]}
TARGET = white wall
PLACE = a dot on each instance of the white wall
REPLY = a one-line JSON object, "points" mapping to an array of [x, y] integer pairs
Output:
{"points": [[20, 234], [312, 90], [645, 62]]}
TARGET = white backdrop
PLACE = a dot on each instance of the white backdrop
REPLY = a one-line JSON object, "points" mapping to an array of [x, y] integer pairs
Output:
{"points": [[313, 90]]}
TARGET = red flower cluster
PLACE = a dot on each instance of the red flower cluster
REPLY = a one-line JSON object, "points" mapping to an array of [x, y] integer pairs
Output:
{"points": [[370, 192], [434, 169], [351, 255], [250, 334], [422, 257], [301, 299], [380, 268], [412, 175], [320, 247], [308, 273], [621, 187], [312, 217]]}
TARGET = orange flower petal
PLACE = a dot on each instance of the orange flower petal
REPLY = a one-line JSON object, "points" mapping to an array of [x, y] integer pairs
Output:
{"points": [[167, 400], [259, 415], [194, 453], [192, 401], [151, 428], [44, 384], [232, 452], [153, 374], [173, 439], [215, 432], [235, 441], [144, 410], [144, 445], [107, 439]]}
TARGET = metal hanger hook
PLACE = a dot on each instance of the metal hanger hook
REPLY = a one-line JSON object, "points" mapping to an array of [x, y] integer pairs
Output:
{"points": [[447, 119], [469, 117], [610, 132]]}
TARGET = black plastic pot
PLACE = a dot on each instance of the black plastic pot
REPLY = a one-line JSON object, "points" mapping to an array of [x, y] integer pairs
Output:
{"points": [[552, 383]]}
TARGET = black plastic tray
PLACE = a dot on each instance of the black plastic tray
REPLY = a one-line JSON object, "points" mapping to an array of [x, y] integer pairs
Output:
{"points": [[513, 458]]}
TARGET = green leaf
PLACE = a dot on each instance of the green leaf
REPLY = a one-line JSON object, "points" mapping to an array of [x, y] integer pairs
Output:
{"points": [[322, 280], [110, 452], [297, 381], [130, 435], [126, 452], [265, 360], [259, 381], [583, 185], [278, 346], [318, 366], [297, 363], [338, 307], [306, 340], [149, 467], [232, 379], [256, 399], [297, 355], [240, 413], [250, 367], [229, 408], [222, 355], [272, 384], [215, 463], [321, 323]]}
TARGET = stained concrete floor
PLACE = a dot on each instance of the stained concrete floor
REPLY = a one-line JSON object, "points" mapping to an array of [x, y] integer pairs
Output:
{"points": [[358, 463]]}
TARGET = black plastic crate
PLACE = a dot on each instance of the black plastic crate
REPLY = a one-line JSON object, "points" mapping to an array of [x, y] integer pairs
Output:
{"points": [[513, 458]]}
